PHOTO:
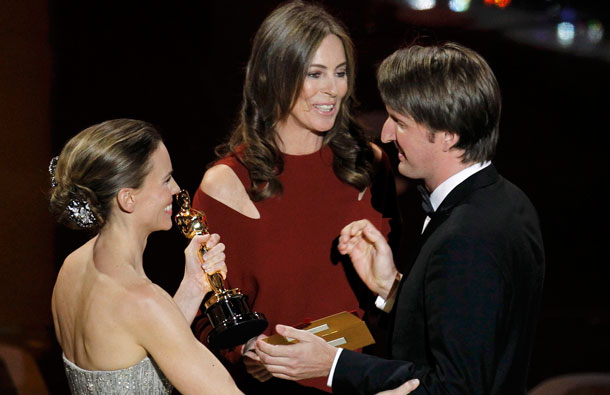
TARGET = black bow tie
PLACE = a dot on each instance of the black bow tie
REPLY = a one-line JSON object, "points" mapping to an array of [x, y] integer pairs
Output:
{"points": [[425, 201]]}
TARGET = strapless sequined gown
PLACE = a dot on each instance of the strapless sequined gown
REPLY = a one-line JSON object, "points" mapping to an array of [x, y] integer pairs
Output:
{"points": [[144, 378]]}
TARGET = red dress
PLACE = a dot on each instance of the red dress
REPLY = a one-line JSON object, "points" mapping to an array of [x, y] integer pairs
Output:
{"points": [[286, 262]]}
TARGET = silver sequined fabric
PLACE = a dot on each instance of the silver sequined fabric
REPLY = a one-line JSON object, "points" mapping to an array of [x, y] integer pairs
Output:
{"points": [[144, 378]]}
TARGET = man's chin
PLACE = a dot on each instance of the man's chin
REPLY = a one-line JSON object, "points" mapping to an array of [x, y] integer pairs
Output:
{"points": [[404, 170]]}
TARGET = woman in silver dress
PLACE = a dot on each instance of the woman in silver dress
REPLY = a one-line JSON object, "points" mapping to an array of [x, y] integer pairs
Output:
{"points": [[119, 332]]}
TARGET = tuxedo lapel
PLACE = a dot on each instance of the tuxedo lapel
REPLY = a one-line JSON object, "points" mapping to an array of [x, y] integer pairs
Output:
{"points": [[478, 180]]}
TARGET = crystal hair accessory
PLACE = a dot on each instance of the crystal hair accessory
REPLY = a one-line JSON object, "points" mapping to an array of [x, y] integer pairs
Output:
{"points": [[52, 167], [80, 213], [78, 210]]}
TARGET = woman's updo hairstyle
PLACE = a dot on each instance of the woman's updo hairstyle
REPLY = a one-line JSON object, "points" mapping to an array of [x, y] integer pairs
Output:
{"points": [[94, 165]]}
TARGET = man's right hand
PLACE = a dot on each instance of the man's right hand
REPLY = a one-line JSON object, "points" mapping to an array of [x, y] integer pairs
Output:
{"points": [[404, 389], [370, 254]]}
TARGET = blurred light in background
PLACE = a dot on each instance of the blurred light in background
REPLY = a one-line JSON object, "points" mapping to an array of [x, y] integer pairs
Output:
{"points": [[565, 33], [421, 4], [541, 23], [459, 5], [595, 31], [499, 3]]}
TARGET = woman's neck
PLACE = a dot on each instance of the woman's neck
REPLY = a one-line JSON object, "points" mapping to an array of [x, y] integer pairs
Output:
{"points": [[117, 246], [298, 141]]}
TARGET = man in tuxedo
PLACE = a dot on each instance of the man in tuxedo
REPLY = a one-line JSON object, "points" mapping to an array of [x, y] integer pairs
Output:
{"points": [[465, 315]]}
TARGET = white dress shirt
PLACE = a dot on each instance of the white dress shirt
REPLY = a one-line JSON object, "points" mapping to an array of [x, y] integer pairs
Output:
{"points": [[440, 193]]}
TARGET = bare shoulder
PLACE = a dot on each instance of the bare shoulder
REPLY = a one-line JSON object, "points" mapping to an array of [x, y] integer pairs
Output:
{"points": [[221, 181], [146, 300], [222, 184]]}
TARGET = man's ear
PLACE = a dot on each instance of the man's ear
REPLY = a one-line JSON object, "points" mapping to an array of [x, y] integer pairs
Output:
{"points": [[449, 140], [126, 199]]}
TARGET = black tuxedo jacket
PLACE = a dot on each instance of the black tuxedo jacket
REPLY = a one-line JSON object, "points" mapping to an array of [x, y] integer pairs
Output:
{"points": [[466, 313]]}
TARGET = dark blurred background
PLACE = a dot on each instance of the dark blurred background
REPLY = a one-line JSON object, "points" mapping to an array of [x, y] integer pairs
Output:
{"points": [[65, 65]]}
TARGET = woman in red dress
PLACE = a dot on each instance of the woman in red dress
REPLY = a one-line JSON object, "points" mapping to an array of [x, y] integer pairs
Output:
{"points": [[294, 172]]}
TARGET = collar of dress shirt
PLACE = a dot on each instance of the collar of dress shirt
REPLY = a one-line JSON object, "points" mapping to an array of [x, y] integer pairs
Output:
{"points": [[440, 193]]}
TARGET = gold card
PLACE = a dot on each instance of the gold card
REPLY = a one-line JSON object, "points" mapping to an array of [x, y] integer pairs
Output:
{"points": [[343, 330]]}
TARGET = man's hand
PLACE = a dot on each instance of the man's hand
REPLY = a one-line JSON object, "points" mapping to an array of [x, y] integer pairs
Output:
{"points": [[404, 389], [310, 357], [370, 254]]}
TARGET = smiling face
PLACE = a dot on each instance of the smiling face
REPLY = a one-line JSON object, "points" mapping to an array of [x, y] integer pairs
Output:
{"points": [[324, 87], [154, 198], [418, 149]]}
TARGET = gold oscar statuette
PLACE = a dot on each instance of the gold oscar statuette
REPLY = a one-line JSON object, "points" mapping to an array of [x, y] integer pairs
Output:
{"points": [[233, 323]]}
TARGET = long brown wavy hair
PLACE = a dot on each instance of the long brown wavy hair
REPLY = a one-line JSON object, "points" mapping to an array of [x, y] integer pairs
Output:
{"points": [[283, 48]]}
